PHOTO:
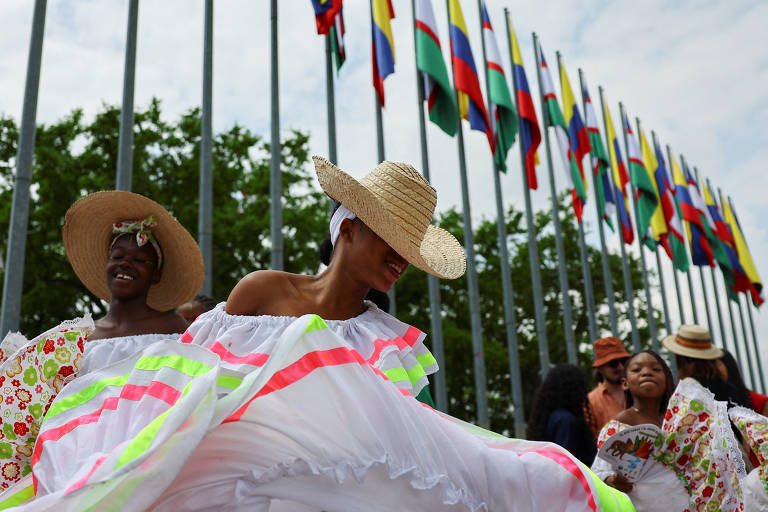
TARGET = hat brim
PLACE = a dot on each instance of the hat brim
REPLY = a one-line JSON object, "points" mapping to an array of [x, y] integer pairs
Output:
{"points": [[673, 346], [608, 359], [439, 253], [87, 234]]}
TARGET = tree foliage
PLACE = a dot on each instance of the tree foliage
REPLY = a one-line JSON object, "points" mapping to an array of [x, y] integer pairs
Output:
{"points": [[74, 157]]}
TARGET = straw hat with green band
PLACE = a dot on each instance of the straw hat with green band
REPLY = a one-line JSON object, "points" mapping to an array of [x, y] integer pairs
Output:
{"points": [[397, 203], [692, 341], [88, 232]]}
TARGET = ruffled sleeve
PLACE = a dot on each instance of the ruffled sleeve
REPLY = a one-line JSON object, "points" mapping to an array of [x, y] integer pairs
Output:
{"points": [[29, 381], [754, 429], [698, 444], [103, 352], [389, 345]]}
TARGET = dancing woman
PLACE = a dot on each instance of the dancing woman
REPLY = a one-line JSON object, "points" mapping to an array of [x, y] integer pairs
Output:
{"points": [[305, 396], [113, 242]]}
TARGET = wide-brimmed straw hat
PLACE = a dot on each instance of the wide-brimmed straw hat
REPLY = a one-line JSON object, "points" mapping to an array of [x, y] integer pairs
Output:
{"points": [[397, 203], [692, 341], [87, 236], [607, 349]]}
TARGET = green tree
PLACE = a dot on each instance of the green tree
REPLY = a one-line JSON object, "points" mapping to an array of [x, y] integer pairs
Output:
{"points": [[413, 307], [74, 158]]}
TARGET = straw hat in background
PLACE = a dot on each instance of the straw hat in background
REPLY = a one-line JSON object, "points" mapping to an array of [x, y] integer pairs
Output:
{"points": [[87, 236], [692, 341], [397, 203]]}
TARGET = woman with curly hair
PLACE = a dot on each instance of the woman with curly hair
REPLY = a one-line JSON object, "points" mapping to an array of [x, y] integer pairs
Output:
{"points": [[561, 412]]}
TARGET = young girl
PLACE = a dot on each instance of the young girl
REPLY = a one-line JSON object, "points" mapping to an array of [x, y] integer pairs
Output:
{"points": [[648, 385]]}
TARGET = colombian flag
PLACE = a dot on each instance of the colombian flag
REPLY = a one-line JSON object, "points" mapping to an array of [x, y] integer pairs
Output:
{"points": [[471, 104], [745, 258], [382, 44], [620, 177], [530, 135]]}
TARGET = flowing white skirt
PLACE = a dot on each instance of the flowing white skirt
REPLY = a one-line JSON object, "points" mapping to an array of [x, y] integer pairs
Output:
{"points": [[316, 428]]}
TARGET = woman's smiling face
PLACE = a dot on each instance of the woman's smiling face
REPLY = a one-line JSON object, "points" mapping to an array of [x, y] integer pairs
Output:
{"points": [[131, 269]]}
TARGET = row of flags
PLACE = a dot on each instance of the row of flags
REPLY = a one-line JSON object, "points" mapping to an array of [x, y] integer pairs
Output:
{"points": [[673, 208]]}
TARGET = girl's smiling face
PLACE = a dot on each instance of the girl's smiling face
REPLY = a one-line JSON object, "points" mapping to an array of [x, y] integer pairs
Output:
{"points": [[645, 377]]}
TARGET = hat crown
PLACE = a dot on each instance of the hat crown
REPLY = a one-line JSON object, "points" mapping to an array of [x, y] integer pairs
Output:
{"points": [[405, 194]]}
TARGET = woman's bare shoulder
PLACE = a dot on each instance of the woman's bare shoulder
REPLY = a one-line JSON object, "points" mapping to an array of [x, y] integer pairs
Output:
{"points": [[253, 292]]}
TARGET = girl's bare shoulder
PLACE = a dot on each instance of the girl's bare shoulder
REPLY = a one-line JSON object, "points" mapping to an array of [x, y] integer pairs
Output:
{"points": [[259, 289]]}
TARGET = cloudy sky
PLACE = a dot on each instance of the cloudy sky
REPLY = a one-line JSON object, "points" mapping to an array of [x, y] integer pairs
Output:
{"points": [[694, 72]]}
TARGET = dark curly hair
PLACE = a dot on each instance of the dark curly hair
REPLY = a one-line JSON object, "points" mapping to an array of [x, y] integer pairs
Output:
{"points": [[740, 391], [670, 381], [565, 387]]}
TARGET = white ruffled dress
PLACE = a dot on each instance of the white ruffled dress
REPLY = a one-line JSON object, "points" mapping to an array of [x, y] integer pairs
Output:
{"points": [[271, 414]]}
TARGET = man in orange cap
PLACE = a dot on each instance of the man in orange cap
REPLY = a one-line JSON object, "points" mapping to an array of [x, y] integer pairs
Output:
{"points": [[607, 399]]}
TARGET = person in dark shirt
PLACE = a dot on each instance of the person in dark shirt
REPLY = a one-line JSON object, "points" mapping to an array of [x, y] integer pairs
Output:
{"points": [[561, 413]]}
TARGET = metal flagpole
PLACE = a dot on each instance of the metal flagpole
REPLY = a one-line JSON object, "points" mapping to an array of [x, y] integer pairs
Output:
{"points": [[275, 181], [570, 343], [688, 274], [331, 101], [17, 229], [472, 286], [628, 292], [703, 286], [746, 344], [436, 321], [640, 236], [754, 339], [125, 141], [757, 351], [667, 320], [331, 104], [716, 294], [533, 248], [586, 272], [506, 278], [677, 283], [603, 252], [205, 214]]}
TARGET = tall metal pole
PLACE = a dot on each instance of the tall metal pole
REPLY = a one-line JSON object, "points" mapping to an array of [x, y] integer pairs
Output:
{"points": [[677, 283], [665, 304], [703, 286], [205, 213], [628, 292], [472, 286], [716, 294], [570, 343], [331, 107], [586, 272], [607, 278], [275, 175], [436, 321], [640, 236], [734, 333], [533, 248], [125, 141], [757, 349], [694, 309], [754, 339], [506, 279], [746, 344], [331, 101], [17, 229]]}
